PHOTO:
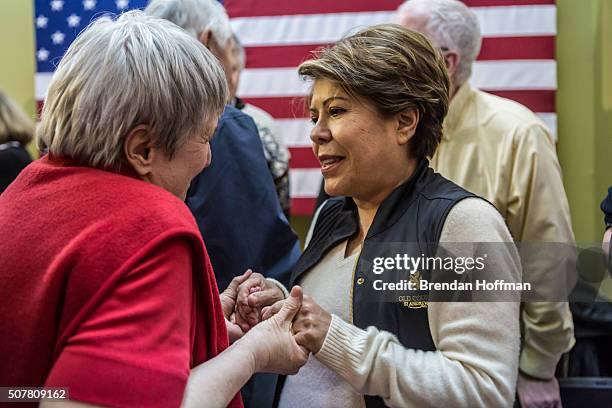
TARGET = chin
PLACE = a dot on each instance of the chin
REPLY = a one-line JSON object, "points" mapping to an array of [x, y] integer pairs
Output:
{"points": [[333, 188]]}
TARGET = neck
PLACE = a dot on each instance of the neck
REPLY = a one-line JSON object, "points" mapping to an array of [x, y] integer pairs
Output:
{"points": [[367, 207], [367, 212], [454, 87]]}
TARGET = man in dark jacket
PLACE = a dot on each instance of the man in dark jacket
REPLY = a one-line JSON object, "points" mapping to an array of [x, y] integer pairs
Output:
{"points": [[233, 200], [235, 204]]}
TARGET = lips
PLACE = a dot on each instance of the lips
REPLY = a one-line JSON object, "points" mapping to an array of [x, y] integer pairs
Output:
{"points": [[329, 162]]}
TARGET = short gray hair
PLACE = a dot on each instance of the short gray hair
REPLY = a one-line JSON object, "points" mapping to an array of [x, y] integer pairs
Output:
{"points": [[194, 16], [454, 26], [120, 74]]}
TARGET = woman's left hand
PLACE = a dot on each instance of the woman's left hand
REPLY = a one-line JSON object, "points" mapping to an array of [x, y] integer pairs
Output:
{"points": [[310, 325], [228, 303]]}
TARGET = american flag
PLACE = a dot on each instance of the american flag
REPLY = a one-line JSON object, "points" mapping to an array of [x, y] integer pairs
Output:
{"points": [[57, 23], [517, 59]]}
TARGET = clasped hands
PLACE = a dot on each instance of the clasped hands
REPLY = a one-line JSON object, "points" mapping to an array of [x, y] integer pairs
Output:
{"points": [[251, 298]]}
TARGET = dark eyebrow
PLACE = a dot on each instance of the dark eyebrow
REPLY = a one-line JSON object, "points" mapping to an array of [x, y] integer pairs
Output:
{"points": [[328, 100]]}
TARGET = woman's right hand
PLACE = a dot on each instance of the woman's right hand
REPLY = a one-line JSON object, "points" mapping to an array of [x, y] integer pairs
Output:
{"points": [[272, 342]]}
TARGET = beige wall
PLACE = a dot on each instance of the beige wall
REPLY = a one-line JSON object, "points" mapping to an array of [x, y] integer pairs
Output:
{"points": [[584, 45], [17, 50]]}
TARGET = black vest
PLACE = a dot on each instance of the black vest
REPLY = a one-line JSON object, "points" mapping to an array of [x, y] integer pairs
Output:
{"points": [[413, 213]]}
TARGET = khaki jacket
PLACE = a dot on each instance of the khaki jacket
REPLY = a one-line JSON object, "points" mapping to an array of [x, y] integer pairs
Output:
{"points": [[500, 150]]}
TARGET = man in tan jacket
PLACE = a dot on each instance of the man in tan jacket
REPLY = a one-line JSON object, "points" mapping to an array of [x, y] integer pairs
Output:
{"points": [[503, 152]]}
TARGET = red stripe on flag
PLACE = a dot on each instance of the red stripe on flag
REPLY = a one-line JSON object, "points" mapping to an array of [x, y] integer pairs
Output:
{"points": [[519, 48], [259, 8], [289, 107], [536, 101], [498, 48], [293, 107], [280, 56], [500, 3], [303, 206], [303, 158], [39, 108]]}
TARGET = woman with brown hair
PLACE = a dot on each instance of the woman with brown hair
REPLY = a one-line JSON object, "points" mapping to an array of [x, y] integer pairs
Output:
{"points": [[378, 101], [16, 131]]}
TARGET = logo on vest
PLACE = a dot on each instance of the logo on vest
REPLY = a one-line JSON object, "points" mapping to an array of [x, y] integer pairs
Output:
{"points": [[415, 301]]}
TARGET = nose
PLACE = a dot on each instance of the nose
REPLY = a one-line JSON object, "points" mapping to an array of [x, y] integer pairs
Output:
{"points": [[320, 134]]}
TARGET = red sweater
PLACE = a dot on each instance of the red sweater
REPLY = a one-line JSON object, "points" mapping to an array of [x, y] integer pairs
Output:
{"points": [[106, 288]]}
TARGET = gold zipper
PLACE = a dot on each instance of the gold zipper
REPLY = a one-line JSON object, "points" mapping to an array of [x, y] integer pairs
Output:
{"points": [[361, 397], [353, 284]]}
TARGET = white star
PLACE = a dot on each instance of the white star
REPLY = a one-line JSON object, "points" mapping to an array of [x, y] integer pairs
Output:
{"points": [[122, 4], [57, 5], [58, 37], [89, 4], [42, 54], [41, 21], [73, 20]]}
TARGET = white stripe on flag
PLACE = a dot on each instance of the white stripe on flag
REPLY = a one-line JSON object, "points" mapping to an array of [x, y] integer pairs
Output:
{"points": [[328, 28], [303, 29], [516, 21], [304, 183], [515, 75], [295, 132], [41, 83], [492, 75]]}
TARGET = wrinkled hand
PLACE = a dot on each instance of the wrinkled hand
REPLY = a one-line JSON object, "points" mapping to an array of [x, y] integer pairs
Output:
{"points": [[535, 393], [253, 294], [274, 347], [310, 325], [228, 303]]}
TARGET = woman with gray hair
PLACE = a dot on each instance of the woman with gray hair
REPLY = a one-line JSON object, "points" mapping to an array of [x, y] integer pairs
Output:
{"points": [[105, 272], [378, 101]]}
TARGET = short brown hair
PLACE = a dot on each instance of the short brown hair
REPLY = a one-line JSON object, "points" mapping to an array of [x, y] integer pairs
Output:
{"points": [[395, 69]]}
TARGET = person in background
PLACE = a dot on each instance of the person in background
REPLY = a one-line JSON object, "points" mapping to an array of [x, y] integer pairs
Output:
{"points": [[277, 154], [234, 200], [500, 150], [16, 131], [107, 288]]}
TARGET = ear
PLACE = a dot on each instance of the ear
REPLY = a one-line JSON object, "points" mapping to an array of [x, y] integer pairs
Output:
{"points": [[451, 60], [407, 122], [205, 37], [138, 149]]}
